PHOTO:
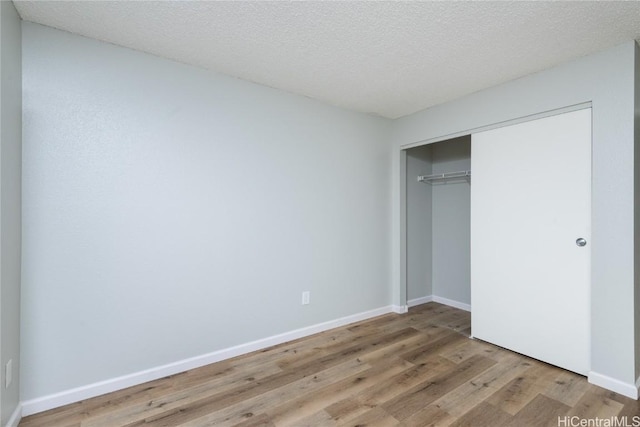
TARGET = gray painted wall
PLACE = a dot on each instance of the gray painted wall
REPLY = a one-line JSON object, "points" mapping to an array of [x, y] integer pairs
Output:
{"points": [[10, 203], [170, 211], [636, 135], [451, 222], [419, 231], [607, 80]]}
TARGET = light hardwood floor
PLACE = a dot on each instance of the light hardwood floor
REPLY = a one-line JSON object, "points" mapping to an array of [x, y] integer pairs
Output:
{"points": [[416, 369]]}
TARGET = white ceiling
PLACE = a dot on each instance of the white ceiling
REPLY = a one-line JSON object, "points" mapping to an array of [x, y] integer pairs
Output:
{"points": [[387, 58]]}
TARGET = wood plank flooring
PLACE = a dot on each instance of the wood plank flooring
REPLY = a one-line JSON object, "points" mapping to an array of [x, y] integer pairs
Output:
{"points": [[417, 369]]}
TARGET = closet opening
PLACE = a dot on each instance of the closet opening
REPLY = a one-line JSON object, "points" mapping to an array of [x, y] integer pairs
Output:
{"points": [[438, 215]]}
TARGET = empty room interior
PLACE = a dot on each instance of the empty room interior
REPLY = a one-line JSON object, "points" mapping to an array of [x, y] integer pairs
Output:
{"points": [[319, 213]]}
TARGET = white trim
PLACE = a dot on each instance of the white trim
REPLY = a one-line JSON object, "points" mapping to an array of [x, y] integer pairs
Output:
{"points": [[15, 418], [514, 121], [66, 397], [452, 303], [419, 301], [399, 309], [441, 300], [625, 389]]}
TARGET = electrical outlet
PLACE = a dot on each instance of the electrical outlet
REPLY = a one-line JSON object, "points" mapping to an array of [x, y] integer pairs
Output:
{"points": [[306, 295], [8, 373]]}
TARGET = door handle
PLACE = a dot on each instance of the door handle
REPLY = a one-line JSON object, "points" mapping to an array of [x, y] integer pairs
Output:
{"points": [[581, 242]]}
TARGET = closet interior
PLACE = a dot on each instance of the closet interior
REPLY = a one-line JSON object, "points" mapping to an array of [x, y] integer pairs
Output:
{"points": [[438, 222]]}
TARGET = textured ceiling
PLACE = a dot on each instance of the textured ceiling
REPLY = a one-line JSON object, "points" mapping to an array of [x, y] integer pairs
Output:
{"points": [[386, 58]]}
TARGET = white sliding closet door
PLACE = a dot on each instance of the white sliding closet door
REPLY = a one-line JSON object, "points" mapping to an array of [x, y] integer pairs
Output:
{"points": [[530, 203]]}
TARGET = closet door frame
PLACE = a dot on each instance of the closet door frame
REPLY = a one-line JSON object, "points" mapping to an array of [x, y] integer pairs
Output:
{"points": [[400, 293]]}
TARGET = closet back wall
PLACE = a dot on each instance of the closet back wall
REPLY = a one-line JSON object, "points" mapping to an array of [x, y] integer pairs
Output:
{"points": [[170, 212], [451, 222], [438, 223]]}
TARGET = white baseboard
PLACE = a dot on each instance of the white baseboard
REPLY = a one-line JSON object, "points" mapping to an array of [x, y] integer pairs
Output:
{"points": [[452, 303], [418, 301], [441, 300], [625, 389], [15, 418], [399, 309], [66, 397]]}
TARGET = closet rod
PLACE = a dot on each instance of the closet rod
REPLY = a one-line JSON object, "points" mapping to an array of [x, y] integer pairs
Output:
{"points": [[444, 176]]}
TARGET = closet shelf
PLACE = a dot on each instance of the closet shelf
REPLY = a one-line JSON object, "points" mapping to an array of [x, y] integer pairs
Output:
{"points": [[441, 177]]}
